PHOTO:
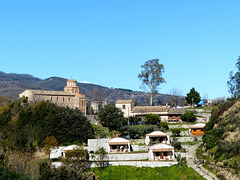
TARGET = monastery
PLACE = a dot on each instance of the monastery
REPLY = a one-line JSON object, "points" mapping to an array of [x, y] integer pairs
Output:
{"points": [[69, 97]]}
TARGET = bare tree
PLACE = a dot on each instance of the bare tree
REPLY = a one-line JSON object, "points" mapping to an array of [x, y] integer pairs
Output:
{"points": [[175, 96]]}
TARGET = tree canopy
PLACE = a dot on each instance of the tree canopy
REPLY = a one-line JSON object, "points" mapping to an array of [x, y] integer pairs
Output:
{"points": [[193, 97], [234, 81], [28, 125], [111, 117], [151, 76], [152, 119]]}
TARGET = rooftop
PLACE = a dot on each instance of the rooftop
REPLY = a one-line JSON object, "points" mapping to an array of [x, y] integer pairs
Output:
{"points": [[150, 109], [176, 111], [161, 147], [199, 125], [44, 92], [124, 101], [156, 134], [118, 140]]}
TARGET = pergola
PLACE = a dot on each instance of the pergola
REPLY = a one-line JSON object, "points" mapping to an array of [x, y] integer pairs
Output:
{"points": [[118, 144], [161, 152], [157, 136]]}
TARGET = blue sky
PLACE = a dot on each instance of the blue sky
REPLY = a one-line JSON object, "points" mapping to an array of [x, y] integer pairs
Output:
{"points": [[105, 42]]}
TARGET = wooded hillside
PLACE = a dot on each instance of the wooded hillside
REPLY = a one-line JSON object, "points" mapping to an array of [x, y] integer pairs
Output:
{"points": [[11, 85]]}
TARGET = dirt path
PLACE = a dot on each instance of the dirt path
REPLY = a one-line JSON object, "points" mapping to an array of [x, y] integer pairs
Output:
{"points": [[191, 156]]}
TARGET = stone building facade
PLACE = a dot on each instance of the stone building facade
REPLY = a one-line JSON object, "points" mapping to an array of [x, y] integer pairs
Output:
{"points": [[70, 97], [125, 106]]}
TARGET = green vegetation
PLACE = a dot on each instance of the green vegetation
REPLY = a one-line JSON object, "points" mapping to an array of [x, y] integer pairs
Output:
{"points": [[5, 174], [188, 116], [193, 97], [152, 119], [136, 132], [136, 173], [25, 126], [112, 117], [234, 81], [217, 140], [176, 132], [151, 76]]}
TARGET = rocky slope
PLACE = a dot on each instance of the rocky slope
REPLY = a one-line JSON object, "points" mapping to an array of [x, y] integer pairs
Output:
{"points": [[222, 140]]}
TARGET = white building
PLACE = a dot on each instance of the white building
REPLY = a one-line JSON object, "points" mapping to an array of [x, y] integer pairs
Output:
{"points": [[125, 106], [161, 152], [157, 136], [117, 145], [60, 151]]}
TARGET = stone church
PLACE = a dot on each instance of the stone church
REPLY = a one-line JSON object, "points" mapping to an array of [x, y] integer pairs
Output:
{"points": [[69, 97]]}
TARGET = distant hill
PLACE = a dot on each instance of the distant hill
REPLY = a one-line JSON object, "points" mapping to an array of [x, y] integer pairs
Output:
{"points": [[11, 85]]}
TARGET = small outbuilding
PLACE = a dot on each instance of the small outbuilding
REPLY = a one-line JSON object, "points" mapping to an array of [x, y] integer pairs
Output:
{"points": [[197, 129], [174, 115], [157, 136], [118, 145], [61, 151], [161, 151]]}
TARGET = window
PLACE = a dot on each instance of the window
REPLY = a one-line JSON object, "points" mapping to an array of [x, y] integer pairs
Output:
{"points": [[51, 98], [123, 106], [69, 99], [57, 98], [63, 99]]}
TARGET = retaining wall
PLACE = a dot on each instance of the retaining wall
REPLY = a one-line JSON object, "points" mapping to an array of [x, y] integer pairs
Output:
{"points": [[122, 157], [140, 163]]}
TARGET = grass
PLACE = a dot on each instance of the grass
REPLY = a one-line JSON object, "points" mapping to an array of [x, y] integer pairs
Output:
{"points": [[5, 174], [147, 173]]}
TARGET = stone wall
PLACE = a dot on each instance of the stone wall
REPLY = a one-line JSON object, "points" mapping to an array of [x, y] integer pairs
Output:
{"points": [[122, 157], [129, 163], [95, 144], [139, 148], [141, 163], [187, 139]]}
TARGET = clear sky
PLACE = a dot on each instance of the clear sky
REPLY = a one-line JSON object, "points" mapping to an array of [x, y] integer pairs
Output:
{"points": [[106, 41]]}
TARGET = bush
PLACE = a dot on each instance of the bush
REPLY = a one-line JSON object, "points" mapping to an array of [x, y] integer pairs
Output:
{"points": [[176, 144], [164, 125], [152, 119], [188, 117], [176, 132]]}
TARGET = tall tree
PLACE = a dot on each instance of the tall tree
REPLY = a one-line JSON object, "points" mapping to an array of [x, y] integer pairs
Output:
{"points": [[234, 81], [151, 76], [193, 97]]}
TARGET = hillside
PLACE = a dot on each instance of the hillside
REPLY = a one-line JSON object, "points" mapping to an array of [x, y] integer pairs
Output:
{"points": [[11, 85], [222, 140]]}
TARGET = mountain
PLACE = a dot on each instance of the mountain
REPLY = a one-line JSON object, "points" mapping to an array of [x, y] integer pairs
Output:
{"points": [[11, 85]]}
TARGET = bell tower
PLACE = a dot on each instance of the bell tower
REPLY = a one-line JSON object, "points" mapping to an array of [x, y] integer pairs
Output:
{"points": [[72, 86]]}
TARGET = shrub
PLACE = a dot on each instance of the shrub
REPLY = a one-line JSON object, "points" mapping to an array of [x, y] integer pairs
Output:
{"points": [[152, 119], [188, 117], [176, 144], [164, 125], [176, 132]]}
